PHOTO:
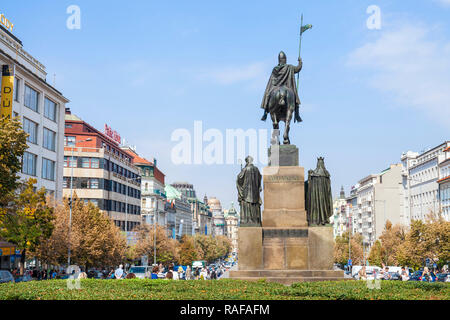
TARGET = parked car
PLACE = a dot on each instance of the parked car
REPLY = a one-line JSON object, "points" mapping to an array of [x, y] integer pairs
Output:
{"points": [[395, 276], [140, 271], [24, 278], [6, 276], [442, 277], [417, 276]]}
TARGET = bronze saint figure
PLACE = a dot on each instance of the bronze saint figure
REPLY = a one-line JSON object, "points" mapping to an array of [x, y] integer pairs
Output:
{"points": [[281, 97], [319, 203], [248, 184]]}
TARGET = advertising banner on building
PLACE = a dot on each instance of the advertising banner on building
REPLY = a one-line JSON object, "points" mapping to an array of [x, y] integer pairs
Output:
{"points": [[6, 100]]}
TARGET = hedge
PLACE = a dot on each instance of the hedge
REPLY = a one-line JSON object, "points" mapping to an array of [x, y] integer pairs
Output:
{"points": [[138, 289]]}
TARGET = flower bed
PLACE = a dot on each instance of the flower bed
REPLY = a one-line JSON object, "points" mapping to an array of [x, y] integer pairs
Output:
{"points": [[138, 289]]}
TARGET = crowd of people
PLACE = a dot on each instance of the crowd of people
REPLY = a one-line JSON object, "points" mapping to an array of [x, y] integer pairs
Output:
{"points": [[404, 274]]}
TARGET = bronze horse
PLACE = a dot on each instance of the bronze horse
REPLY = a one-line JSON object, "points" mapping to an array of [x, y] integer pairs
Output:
{"points": [[281, 108]]}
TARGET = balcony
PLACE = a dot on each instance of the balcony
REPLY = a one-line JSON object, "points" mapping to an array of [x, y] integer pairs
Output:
{"points": [[153, 192]]}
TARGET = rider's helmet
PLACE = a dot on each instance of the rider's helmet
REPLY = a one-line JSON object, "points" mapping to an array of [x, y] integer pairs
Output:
{"points": [[282, 58]]}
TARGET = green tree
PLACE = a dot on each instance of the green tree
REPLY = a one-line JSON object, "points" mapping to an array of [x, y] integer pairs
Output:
{"points": [[341, 249], [28, 221], [376, 254], [414, 249], [95, 240], [166, 249], [12, 146], [187, 251]]}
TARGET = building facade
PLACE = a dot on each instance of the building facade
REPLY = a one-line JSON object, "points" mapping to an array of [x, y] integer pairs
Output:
{"points": [[218, 218], [99, 171], [153, 196], [180, 208], [420, 181], [232, 226], [40, 107], [339, 219], [379, 199], [444, 184], [201, 214]]}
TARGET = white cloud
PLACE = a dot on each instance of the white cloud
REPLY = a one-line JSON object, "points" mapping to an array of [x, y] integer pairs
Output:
{"points": [[413, 65], [445, 3], [235, 74]]}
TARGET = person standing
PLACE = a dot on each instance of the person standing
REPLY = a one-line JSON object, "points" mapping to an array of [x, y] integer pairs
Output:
{"points": [[404, 274], [155, 272], [174, 272], [426, 275], [362, 273], [188, 273], [386, 275], [119, 272]]}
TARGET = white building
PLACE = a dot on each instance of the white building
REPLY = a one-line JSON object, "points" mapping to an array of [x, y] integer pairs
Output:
{"points": [[378, 200], [179, 210], [218, 216], [421, 173], [339, 219], [153, 197], [231, 226], [444, 184], [41, 109]]}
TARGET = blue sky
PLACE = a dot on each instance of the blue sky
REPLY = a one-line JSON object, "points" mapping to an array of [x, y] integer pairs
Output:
{"points": [[148, 68]]}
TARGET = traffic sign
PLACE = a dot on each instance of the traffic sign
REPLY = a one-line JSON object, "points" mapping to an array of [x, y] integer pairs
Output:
{"points": [[349, 262]]}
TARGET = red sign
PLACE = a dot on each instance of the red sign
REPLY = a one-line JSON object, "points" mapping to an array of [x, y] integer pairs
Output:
{"points": [[112, 134]]}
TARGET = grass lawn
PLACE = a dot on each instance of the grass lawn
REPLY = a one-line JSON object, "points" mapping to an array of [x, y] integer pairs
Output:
{"points": [[137, 289]]}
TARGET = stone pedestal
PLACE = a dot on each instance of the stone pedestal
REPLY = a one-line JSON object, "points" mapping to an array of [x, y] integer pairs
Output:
{"points": [[250, 248], [285, 249]]}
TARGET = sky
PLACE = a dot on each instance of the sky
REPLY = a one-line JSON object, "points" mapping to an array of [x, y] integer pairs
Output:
{"points": [[149, 68]]}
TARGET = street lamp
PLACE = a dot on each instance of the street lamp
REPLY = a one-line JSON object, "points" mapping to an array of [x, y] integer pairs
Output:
{"points": [[71, 191], [154, 232]]}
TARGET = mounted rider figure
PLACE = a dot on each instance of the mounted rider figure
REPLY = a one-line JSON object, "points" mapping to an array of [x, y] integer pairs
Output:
{"points": [[282, 75]]}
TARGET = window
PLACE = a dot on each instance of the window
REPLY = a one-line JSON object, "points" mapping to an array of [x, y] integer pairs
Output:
{"points": [[16, 89], [29, 163], [66, 183], [49, 139], [85, 162], [69, 141], [95, 163], [93, 183], [69, 162], [68, 126], [48, 169], [30, 127], [31, 99], [49, 109]]}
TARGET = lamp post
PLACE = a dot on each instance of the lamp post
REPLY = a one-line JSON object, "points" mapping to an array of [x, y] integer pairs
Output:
{"points": [[71, 193], [154, 232]]}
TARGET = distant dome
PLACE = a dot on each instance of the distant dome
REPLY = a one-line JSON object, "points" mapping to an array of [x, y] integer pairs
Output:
{"points": [[213, 201]]}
